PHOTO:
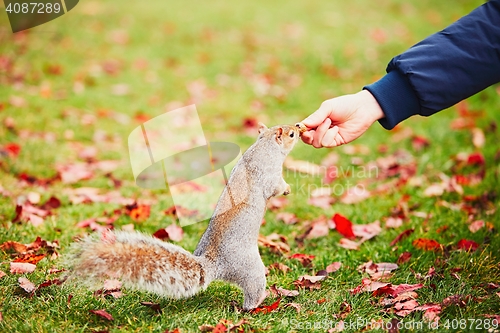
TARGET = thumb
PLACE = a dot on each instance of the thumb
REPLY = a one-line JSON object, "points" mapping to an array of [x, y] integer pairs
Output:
{"points": [[318, 117]]}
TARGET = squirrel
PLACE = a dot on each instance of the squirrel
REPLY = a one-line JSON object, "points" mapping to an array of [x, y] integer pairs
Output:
{"points": [[228, 249]]}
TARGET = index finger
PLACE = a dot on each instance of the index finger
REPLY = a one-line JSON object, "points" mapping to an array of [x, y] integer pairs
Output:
{"points": [[317, 118]]}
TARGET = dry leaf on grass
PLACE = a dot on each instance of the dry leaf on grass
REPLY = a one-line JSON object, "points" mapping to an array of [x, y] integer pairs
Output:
{"points": [[276, 243], [278, 291], [102, 314], [26, 284], [333, 267], [21, 268]]}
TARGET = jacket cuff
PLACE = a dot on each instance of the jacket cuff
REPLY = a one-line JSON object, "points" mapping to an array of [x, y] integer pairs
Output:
{"points": [[396, 97]]}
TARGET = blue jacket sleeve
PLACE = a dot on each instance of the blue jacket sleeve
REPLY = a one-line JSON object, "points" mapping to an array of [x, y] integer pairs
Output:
{"points": [[443, 69]]}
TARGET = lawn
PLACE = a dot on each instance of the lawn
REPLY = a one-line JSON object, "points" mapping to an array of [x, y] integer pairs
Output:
{"points": [[72, 90]]}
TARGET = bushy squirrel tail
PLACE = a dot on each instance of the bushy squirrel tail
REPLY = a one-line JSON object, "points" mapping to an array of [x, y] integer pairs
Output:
{"points": [[140, 262]]}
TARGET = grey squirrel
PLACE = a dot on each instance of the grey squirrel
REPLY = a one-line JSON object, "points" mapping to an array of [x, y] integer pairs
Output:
{"points": [[227, 250]]}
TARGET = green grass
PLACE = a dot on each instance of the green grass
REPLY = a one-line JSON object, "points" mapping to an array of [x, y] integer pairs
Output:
{"points": [[313, 51]]}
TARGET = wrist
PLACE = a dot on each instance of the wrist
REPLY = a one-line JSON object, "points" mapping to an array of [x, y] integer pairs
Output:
{"points": [[370, 105]]}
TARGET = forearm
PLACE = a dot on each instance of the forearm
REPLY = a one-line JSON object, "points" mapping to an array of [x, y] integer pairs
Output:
{"points": [[443, 69]]}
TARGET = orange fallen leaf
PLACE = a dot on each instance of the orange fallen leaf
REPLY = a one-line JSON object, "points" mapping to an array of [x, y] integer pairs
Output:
{"points": [[138, 212], [267, 308], [31, 258], [427, 244]]}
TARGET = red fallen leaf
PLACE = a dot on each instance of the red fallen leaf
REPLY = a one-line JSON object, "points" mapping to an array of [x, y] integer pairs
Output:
{"points": [[2, 274], [366, 231], [324, 201], [467, 245], [154, 306], [312, 278], [189, 186], [343, 226], [50, 283], [349, 244], [393, 222], [496, 318], [177, 330], [13, 149], [431, 312], [73, 173], [175, 232], [419, 142], [267, 308], [407, 305], [317, 229], [404, 257], [354, 195], [476, 225], [21, 267], [26, 284], [307, 283], [462, 180], [475, 159], [138, 212], [305, 259], [403, 288], [287, 218], [368, 285], [296, 306], [110, 287], [427, 244], [333, 267], [395, 290], [102, 314], [35, 220], [330, 175], [161, 234], [321, 301], [31, 258], [19, 212], [52, 203], [250, 123], [459, 300], [180, 211], [377, 271], [402, 236], [276, 203]]}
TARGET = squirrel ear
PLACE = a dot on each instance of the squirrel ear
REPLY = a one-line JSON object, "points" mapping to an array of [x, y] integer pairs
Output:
{"points": [[279, 133], [262, 128]]}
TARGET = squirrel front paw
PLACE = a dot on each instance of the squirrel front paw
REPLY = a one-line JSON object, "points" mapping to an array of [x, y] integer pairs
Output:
{"points": [[288, 190]]}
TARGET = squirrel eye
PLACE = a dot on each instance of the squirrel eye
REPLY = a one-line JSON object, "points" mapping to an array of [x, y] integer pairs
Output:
{"points": [[291, 134]]}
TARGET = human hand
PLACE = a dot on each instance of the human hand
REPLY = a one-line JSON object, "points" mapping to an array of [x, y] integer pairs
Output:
{"points": [[342, 119]]}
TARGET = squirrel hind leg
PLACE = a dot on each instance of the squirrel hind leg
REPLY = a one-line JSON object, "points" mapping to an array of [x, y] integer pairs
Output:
{"points": [[254, 290]]}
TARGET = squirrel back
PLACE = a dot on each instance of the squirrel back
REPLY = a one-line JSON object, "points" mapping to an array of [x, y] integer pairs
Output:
{"points": [[228, 249]]}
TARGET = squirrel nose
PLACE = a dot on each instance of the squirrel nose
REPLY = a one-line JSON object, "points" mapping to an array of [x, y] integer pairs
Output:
{"points": [[301, 127]]}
